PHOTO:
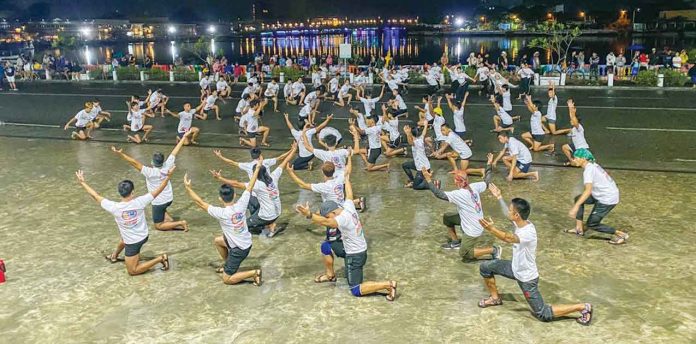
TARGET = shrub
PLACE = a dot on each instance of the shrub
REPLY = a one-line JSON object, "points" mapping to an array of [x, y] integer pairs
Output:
{"points": [[157, 74], [128, 73], [674, 78], [646, 78]]}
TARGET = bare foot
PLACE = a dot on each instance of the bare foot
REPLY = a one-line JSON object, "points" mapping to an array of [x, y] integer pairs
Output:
{"points": [[186, 226], [536, 176]]}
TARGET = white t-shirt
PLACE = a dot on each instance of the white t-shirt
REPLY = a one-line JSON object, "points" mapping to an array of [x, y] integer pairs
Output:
{"points": [[310, 97], [525, 73], [154, 177], [369, 104], [333, 85], [247, 90], [507, 104], [351, 229], [360, 119], [330, 131], [185, 119], [551, 108], [419, 156], [458, 145], [204, 83], [297, 134], [232, 220], [287, 90], [504, 116], [604, 189], [136, 119], [577, 135], [524, 254], [337, 157], [392, 127], [344, 90], [535, 123], [93, 114], [392, 84], [269, 196], [272, 90], [458, 116], [248, 167], [305, 110], [130, 217], [241, 105], [209, 102], [482, 73], [331, 190], [515, 147], [154, 99], [297, 88], [221, 85], [373, 136], [469, 207], [400, 101], [438, 121], [83, 117], [249, 121]]}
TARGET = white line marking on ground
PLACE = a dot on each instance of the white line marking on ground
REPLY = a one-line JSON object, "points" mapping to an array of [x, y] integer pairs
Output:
{"points": [[685, 160], [627, 97], [655, 129]]}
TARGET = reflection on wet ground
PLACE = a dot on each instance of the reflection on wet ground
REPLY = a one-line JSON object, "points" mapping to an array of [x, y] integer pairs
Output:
{"points": [[60, 289]]}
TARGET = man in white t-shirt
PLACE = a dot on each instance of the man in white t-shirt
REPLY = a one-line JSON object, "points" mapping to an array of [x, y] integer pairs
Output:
{"points": [[460, 151], [271, 93], [550, 117], [369, 103], [329, 131], [224, 90], [235, 242], [337, 157], [186, 117], [129, 214], [249, 125], [577, 135], [265, 205], [156, 101], [297, 92], [344, 97], [535, 137], [522, 268], [352, 247], [248, 167], [153, 177], [374, 140], [467, 198], [601, 191], [304, 159], [83, 124], [502, 120], [416, 138], [210, 104], [136, 118], [519, 159]]}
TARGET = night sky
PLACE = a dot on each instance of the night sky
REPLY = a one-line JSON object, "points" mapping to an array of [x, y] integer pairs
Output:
{"points": [[226, 10]]}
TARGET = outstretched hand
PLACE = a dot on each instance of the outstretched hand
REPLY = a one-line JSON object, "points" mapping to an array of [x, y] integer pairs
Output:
{"points": [[495, 191], [80, 176], [489, 158], [487, 223], [116, 150], [217, 153], [303, 209], [187, 180], [217, 174]]}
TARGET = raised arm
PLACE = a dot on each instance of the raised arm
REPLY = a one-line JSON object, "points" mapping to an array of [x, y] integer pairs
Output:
{"points": [[528, 103], [572, 113], [81, 180], [217, 175], [180, 144], [162, 185], [255, 176], [323, 124], [291, 153], [449, 102], [437, 192], [305, 141], [218, 154], [466, 96], [409, 136], [297, 179], [349, 165], [303, 209], [135, 163], [194, 196], [287, 121], [508, 237]]}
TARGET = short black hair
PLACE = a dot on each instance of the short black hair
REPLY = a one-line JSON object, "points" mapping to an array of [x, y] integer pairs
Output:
{"points": [[444, 125], [416, 131], [158, 159], [246, 96], [521, 207], [330, 140], [255, 152], [125, 188], [506, 87], [503, 133], [254, 102], [189, 103], [226, 193], [537, 103]]}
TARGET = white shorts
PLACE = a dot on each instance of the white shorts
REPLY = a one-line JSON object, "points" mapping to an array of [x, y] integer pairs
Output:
{"points": [[10, 79]]}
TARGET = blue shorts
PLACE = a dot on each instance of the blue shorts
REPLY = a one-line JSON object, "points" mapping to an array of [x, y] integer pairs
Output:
{"points": [[524, 168], [538, 138]]}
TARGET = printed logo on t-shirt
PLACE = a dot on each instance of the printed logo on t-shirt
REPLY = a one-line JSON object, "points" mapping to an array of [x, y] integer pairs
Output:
{"points": [[238, 221], [129, 217], [475, 198], [358, 225], [338, 190]]}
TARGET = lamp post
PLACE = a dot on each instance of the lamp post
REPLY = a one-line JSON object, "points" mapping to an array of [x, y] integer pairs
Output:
{"points": [[633, 19], [583, 15]]}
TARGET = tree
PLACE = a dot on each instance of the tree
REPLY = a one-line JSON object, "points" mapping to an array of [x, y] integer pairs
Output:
{"points": [[558, 38], [199, 49]]}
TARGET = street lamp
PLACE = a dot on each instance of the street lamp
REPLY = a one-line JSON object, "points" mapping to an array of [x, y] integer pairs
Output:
{"points": [[84, 31], [171, 29], [633, 20], [211, 29], [459, 21]]}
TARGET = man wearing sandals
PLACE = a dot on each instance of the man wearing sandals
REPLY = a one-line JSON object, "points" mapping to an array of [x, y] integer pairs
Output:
{"points": [[600, 190], [353, 247], [522, 267], [235, 242], [467, 198], [129, 214]]}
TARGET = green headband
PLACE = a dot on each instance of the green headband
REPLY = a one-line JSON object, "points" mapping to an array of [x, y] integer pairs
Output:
{"points": [[584, 153]]}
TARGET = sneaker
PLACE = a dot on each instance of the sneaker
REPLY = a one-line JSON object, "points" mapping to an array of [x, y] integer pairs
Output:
{"points": [[437, 183], [585, 318], [498, 252], [452, 245]]}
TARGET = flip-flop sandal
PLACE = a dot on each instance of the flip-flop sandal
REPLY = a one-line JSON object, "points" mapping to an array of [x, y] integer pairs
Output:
{"points": [[490, 302], [165, 262], [323, 278], [111, 259], [363, 204], [567, 164], [258, 278], [279, 229], [392, 292], [620, 239], [220, 270], [573, 231], [586, 315]]}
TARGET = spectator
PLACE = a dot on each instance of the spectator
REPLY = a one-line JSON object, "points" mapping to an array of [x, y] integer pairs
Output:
{"points": [[643, 61], [621, 65], [2, 77], [684, 57], [676, 61], [611, 63], [503, 61], [692, 75], [594, 66]]}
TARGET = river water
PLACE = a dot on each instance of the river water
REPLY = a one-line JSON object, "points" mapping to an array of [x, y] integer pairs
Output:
{"points": [[405, 48]]}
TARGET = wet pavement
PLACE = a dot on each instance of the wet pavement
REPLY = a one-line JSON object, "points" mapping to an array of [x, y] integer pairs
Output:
{"points": [[60, 289]]}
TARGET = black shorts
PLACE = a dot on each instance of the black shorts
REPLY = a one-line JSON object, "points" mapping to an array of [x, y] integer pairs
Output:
{"points": [[269, 97], [337, 248], [158, 211], [461, 134], [504, 126], [373, 155], [82, 128], [354, 267], [396, 143], [134, 249], [539, 138], [572, 147], [251, 135], [524, 168], [297, 97], [235, 257]]}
